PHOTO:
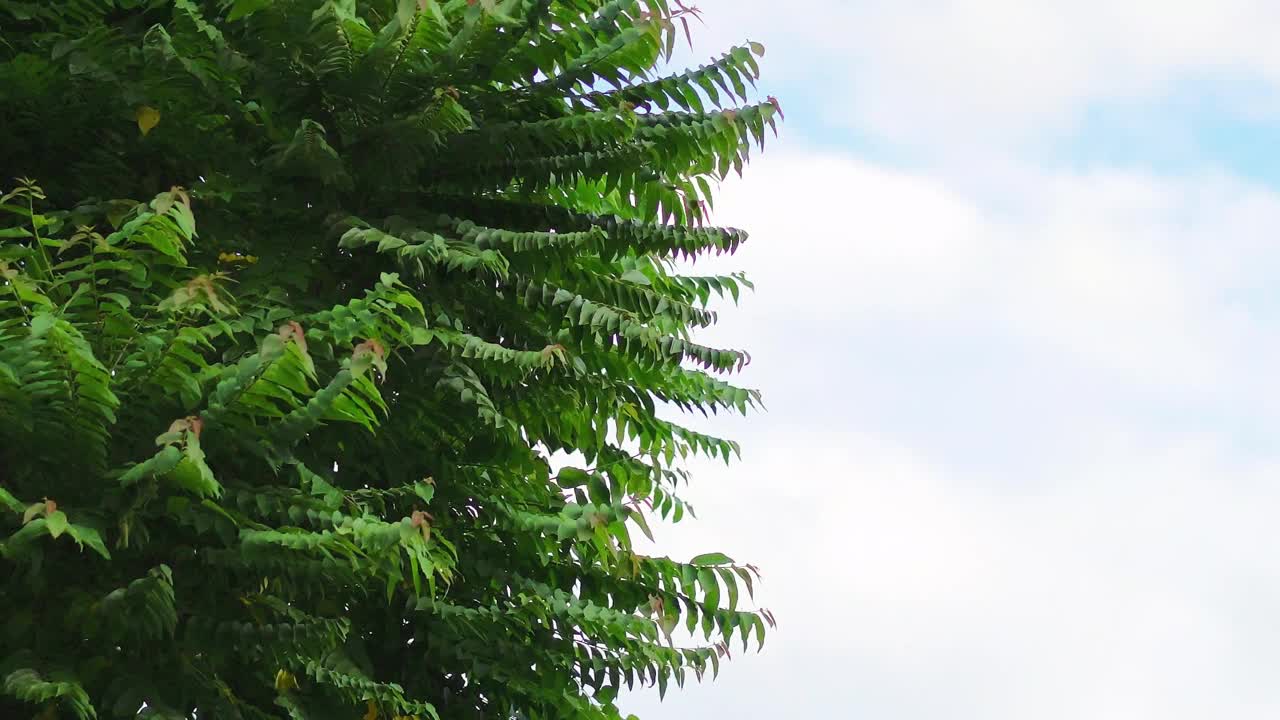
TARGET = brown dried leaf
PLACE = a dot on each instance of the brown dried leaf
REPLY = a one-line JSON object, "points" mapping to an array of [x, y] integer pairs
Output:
{"points": [[293, 331]]}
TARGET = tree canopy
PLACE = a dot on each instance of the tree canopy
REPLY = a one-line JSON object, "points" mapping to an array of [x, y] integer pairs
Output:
{"points": [[343, 349]]}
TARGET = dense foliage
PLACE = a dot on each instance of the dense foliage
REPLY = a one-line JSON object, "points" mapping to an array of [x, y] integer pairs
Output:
{"points": [[299, 303]]}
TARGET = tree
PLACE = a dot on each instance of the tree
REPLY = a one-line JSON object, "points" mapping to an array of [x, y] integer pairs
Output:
{"points": [[299, 305]]}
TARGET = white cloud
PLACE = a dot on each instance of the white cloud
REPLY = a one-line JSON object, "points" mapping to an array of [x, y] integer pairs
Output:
{"points": [[1018, 460], [1121, 272], [1001, 476], [1139, 585], [925, 73]]}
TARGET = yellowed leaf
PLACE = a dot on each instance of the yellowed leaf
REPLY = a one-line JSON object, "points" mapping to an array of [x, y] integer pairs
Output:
{"points": [[286, 681], [148, 117]]}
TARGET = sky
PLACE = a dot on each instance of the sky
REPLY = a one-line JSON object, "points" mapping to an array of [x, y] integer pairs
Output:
{"points": [[1017, 325]]}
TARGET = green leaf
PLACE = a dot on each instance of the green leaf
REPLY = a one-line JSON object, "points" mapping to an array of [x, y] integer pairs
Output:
{"points": [[636, 277], [88, 536], [119, 299], [710, 587], [41, 324], [11, 502], [425, 491], [731, 586], [56, 523], [571, 477], [643, 523], [245, 8], [711, 559]]}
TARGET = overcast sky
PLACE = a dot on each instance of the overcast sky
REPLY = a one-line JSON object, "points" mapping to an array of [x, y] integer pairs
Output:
{"points": [[1017, 321]]}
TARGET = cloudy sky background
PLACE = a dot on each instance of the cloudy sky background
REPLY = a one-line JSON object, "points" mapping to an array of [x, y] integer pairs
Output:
{"points": [[1017, 321]]}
